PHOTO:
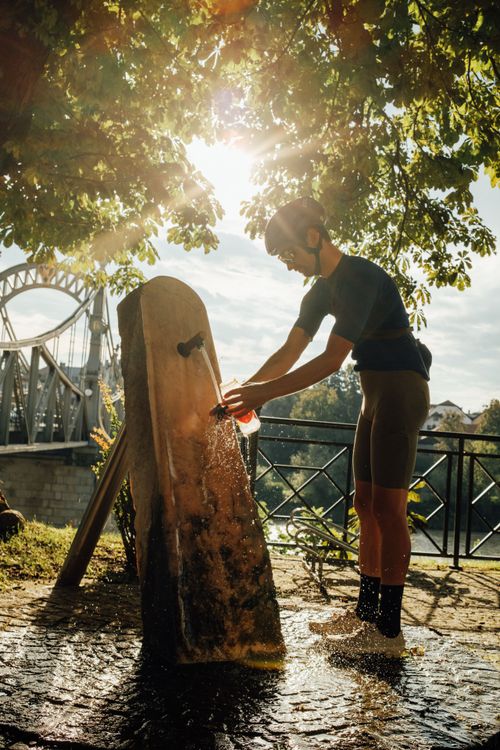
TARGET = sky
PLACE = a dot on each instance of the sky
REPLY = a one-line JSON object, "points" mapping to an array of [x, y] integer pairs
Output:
{"points": [[252, 300]]}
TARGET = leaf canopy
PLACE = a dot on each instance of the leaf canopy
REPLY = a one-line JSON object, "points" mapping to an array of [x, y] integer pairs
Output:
{"points": [[386, 112]]}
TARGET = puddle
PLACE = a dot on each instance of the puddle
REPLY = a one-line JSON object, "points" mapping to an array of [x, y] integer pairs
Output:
{"points": [[73, 673]]}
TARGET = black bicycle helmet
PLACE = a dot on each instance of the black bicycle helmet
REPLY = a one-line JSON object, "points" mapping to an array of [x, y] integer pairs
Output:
{"points": [[290, 223]]}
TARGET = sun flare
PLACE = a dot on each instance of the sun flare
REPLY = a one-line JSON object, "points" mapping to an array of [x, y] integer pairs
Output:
{"points": [[228, 168]]}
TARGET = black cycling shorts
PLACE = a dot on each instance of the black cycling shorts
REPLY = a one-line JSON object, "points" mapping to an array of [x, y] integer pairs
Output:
{"points": [[395, 406]]}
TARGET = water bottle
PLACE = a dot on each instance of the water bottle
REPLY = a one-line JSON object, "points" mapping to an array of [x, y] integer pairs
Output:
{"points": [[247, 423]]}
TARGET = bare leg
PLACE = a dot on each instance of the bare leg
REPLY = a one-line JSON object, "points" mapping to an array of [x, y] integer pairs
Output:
{"points": [[369, 538], [389, 509], [369, 563]]}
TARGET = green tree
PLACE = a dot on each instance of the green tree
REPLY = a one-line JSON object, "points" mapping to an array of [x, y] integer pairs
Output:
{"points": [[336, 399], [488, 469], [489, 421], [346, 384], [98, 100], [385, 111], [450, 422], [317, 403], [281, 407]]}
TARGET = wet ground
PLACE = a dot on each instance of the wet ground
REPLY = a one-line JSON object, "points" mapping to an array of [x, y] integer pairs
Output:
{"points": [[72, 676]]}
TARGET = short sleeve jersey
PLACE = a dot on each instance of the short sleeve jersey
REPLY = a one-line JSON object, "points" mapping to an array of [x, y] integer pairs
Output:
{"points": [[364, 300]]}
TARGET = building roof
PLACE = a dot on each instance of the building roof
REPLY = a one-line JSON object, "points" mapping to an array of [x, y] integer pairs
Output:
{"points": [[448, 405]]}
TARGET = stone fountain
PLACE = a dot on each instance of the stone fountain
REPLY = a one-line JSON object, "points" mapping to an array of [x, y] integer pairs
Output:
{"points": [[206, 583]]}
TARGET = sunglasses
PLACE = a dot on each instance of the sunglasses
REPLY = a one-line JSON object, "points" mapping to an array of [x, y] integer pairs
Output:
{"points": [[287, 256]]}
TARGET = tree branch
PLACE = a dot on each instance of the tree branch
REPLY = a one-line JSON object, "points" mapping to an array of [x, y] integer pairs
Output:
{"points": [[289, 42], [493, 65], [406, 185]]}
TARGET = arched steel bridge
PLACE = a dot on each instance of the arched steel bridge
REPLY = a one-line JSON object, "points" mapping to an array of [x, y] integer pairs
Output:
{"points": [[45, 403]]}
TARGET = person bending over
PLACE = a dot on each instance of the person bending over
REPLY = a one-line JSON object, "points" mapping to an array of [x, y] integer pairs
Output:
{"points": [[372, 324]]}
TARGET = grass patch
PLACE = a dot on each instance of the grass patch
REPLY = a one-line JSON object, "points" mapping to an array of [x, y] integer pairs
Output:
{"points": [[439, 563], [38, 552]]}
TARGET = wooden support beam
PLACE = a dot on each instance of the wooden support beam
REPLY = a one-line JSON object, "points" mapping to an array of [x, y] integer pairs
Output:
{"points": [[96, 514]]}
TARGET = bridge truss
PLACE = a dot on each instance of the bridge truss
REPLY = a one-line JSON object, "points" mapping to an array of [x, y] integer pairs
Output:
{"points": [[46, 403]]}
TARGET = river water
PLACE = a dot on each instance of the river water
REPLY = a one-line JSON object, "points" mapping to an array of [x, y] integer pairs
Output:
{"points": [[421, 543]]}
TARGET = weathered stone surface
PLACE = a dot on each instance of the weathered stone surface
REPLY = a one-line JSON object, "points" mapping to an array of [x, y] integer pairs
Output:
{"points": [[50, 490], [206, 581]]}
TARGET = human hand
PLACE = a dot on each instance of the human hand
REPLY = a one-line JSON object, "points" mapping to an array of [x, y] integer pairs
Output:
{"points": [[244, 398]]}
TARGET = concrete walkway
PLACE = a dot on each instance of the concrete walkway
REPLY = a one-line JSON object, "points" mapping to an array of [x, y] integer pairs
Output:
{"points": [[72, 675]]}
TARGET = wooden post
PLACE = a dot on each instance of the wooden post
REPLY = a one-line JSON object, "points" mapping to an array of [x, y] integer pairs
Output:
{"points": [[100, 504], [206, 582]]}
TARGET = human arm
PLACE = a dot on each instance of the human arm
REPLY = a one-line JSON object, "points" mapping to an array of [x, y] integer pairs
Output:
{"points": [[243, 399]]}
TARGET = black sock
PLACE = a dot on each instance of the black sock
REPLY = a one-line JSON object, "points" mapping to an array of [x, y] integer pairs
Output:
{"points": [[389, 617], [367, 606]]}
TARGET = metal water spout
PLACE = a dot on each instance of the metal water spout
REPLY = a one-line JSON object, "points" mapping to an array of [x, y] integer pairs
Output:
{"points": [[186, 347]]}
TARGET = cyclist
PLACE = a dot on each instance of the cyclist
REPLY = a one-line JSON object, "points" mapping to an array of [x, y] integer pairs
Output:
{"points": [[372, 325]]}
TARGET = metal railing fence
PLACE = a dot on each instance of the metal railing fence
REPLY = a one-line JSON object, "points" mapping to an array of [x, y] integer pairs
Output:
{"points": [[305, 464]]}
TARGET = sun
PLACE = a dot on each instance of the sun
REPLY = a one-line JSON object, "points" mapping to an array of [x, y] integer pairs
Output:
{"points": [[229, 168]]}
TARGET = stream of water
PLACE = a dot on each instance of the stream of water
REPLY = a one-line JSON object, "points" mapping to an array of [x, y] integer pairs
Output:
{"points": [[215, 384]]}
